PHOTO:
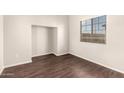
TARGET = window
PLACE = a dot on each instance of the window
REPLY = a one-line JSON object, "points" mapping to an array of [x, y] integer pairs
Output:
{"points": [[86, 26], [93, 30], [99, 25]]}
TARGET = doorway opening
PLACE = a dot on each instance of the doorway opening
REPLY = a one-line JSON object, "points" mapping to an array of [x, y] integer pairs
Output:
{"points": [[44, 40]]}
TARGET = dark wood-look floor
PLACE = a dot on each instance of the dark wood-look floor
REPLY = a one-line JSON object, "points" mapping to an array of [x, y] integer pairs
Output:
{"points": [[66, 66]]}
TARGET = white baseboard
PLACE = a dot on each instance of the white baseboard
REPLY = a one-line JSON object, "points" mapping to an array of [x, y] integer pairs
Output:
{"points": [[20, 63], [42, 54], [57, 54], [98, 63], [60, 54]]}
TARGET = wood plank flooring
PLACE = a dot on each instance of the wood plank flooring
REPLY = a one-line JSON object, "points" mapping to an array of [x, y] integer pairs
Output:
{"points": [[66, 66]]}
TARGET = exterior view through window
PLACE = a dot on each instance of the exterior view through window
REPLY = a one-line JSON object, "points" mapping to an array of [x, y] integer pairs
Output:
{"points": [[93, 30]]}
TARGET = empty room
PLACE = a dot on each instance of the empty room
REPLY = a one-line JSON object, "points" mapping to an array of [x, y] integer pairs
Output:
{"points": [[61, 46]]}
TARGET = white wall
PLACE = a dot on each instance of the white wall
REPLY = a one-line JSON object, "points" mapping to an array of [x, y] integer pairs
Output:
{"points": [[110, 54], [1, 43], [53, 32], [43, 40], [17, 37]]}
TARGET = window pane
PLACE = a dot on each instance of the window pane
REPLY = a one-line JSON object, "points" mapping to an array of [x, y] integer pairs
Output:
{"points": [[83, 29], [88, 22], [102, 26], [95, 20], [83, 22], [102, 19], [95, 28], [86, 29], [89, 28]]}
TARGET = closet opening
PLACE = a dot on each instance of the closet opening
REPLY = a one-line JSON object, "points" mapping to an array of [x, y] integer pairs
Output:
{"points": [[44, 40]]}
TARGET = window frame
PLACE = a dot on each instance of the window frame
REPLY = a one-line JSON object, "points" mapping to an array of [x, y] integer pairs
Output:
{"points": [[95, 36], [92, 25]]}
